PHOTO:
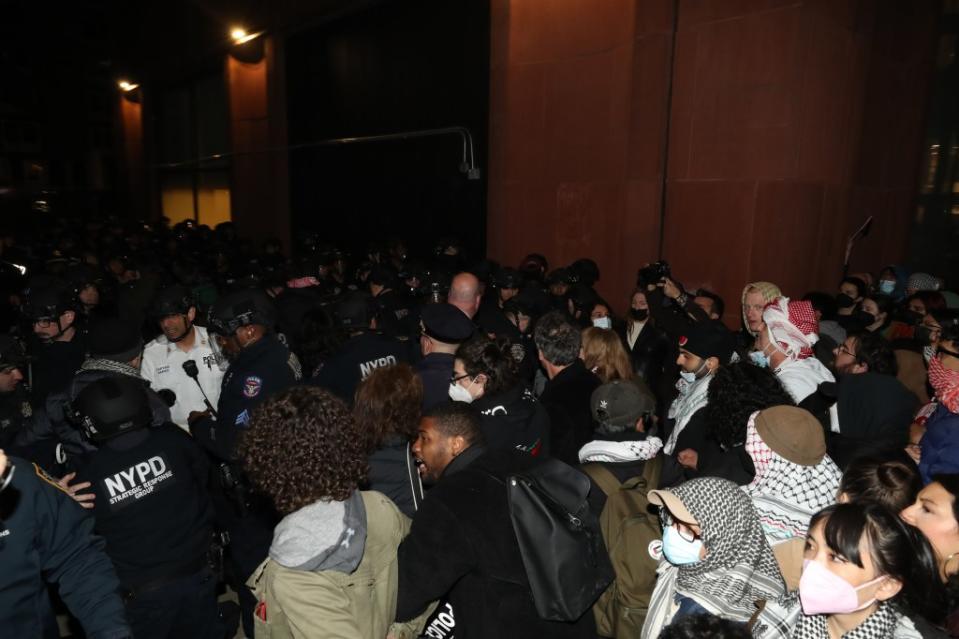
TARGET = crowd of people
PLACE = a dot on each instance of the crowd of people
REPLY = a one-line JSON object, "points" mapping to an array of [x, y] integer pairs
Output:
{"points": [[375, 444]]}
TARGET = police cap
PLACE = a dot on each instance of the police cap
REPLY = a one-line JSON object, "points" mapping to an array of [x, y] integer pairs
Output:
{"points": [[355, 310], [241, 308], [446, 323]]}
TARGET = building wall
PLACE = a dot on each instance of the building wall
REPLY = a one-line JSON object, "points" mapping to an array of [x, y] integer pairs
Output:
{"points": [[789, 122]]}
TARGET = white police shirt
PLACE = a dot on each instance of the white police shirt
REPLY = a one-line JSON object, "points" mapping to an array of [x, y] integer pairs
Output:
{"points": [[162, 366]]}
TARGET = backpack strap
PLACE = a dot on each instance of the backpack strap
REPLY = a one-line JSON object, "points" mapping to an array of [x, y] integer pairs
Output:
{"points": [[605, 479]]}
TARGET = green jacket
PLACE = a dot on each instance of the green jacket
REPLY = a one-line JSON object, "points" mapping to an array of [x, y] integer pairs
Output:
{"points": [[327, 604]]}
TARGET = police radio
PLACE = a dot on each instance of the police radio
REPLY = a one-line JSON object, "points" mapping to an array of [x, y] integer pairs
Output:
{"points": [[190, 368]]}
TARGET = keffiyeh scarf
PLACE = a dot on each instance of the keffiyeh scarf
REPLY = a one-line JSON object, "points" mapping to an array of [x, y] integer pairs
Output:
{"points": [[793, 326], [786, 495], [691, 398], [739, 568], [946, 384], [784, 619], [608, 451], [879, 625]]}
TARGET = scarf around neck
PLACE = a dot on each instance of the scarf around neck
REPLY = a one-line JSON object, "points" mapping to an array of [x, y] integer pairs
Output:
{"points": [[691, 398], [946, 384], [609, 451]]}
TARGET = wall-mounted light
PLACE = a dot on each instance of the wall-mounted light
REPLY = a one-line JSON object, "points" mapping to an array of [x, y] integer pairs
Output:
{"points": [[246, 47], [239, 35], [126, 86]]}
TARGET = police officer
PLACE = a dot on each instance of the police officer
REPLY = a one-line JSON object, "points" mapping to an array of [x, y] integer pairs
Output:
{"points": [[364, 352], [152, 508], [167, 359], [57, 345], [15, 408], [260, 365], [443, 328], [45, 537], [392, 309]]}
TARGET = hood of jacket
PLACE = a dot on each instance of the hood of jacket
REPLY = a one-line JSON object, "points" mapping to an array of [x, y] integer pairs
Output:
{"points": [[326, 535]]}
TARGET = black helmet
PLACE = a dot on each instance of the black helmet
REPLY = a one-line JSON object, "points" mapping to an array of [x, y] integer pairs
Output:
{"points": [[49, 300], [174, 300], [112, 406], [585, 270], [508, 278], [241, 308]]}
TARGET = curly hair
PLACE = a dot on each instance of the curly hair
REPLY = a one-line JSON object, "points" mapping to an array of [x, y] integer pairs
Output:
{"points": [[558, 338], [301, 447], [736, 392], [603, 350], [875, 351], [493, 358], [388, 403]]}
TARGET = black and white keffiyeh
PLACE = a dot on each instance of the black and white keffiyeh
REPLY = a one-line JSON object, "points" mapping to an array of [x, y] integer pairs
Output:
{"points": [[739, 568], [786, 495], [625, 451], [691, 398], [879, 625]]}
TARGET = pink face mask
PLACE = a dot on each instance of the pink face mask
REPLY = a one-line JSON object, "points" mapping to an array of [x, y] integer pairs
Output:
{"points": [[822, 592]]}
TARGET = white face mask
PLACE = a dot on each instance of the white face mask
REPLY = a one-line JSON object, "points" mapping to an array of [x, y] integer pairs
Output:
{"points": [[460, 393], [603, 322]]}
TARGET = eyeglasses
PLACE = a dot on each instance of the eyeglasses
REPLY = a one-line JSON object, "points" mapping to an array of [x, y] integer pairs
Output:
{"points": [[44, 322], [454, 378], [842, 349], [685, 532]]}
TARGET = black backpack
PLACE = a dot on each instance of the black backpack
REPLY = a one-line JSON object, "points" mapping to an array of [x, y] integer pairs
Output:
{"points": [[559, 539]]}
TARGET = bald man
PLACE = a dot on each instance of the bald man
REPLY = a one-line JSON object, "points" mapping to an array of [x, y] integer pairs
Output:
{"points": [[465, 293]]}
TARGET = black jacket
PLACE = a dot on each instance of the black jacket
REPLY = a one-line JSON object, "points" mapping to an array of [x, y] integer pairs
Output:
{"points": [[150, 487], [566, 400], [353, 363], [875, 412], [393, 473], [649, 356], [54, 364], [45, 537], [462, 545], [436, 371], [514, 420]]}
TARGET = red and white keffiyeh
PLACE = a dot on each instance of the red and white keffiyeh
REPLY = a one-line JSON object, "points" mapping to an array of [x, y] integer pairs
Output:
{"points": [[946, 384], [793, 326]]}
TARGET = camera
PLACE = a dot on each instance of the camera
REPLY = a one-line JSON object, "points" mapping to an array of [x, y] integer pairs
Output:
{"points": [[653, 273]]}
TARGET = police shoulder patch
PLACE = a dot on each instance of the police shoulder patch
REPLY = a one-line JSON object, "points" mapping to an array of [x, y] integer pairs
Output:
{"points": [[47, 477], [252, 386]]}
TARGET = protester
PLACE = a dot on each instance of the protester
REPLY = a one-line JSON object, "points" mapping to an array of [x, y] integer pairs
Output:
{"points": [[940, 443], [891, 480], [647, 345], [387, 412], [866, 574], [486, 375], [332, 566], [603, 354], [715, 557]]}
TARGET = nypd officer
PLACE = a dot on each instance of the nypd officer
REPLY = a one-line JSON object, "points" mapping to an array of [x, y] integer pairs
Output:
{"points": [[443, 328], [182, 358], [152, 508], [364, 352], [58, 346], [260, 365], [15, 408], [45, 537]]}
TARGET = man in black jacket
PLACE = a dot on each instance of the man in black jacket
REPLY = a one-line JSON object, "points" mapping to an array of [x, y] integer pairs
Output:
{"points": [[462, 545], [570, 386]]}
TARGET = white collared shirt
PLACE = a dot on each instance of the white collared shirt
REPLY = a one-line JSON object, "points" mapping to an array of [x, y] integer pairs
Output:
{"points": [[163, 367]]}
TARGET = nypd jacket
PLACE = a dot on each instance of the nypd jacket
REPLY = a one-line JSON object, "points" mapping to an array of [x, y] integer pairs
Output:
{"points": [[259, 371], [354, 362], [45, 537]]}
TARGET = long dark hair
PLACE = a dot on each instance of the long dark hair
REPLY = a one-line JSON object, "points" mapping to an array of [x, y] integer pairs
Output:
{"points": [[736, 392], [898, 550], [890, 479], [951, 484]]}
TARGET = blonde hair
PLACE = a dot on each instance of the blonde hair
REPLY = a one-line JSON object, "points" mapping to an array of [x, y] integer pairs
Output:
{"points": [[603, 353]]}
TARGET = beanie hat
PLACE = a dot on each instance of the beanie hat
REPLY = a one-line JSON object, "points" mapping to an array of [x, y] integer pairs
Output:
{"points": [[114, 339], [793, 326], [709, 339], [768, 290], [793, 433]]}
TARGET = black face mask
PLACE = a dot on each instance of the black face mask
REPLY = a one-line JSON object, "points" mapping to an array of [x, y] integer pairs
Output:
{"points": [[844, 301], [865, 318], [639, 314]]}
